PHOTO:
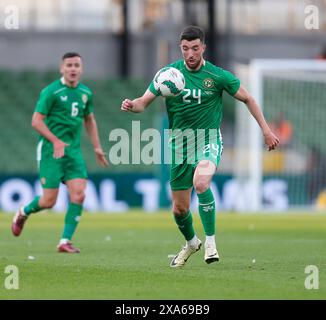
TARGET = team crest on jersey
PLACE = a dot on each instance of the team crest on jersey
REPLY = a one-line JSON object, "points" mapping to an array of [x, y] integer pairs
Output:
{"points": [[208, 82], [85, 98]]}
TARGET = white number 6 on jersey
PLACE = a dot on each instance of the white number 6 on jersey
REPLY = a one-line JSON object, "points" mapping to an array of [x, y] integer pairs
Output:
{"points": [[74, 109]]}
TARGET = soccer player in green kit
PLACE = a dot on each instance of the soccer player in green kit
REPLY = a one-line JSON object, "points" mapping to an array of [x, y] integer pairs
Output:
{"points": [[59, 114], [199, 106]]}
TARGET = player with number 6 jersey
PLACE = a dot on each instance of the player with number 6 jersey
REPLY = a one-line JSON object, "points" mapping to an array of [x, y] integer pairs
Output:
{"points": [[60, 112], [65, 108]]}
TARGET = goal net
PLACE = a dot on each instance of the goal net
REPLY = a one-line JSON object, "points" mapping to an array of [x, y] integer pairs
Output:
{"points": [[292, 95]]}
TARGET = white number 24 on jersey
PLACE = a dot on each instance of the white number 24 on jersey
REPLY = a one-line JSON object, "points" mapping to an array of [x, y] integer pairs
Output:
{"points": [[194, 95]]}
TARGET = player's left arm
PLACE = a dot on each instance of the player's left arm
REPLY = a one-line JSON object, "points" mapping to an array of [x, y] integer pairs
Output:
{"points": [[271, 140], [92, 131]]}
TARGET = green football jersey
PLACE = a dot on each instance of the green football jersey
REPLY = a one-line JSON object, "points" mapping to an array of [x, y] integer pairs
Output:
{"points": [[199, 106], [64, 108]]}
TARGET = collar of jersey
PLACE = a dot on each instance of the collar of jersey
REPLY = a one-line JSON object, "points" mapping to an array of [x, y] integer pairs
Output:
{"points": [[195, 71], [62, 79]]}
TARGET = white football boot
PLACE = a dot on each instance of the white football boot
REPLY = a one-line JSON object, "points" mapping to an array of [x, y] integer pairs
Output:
{"points": [[181, 258], [211, 254]]}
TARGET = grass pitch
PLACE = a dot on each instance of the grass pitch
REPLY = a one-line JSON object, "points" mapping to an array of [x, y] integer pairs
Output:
{"points": [[126, 256]]}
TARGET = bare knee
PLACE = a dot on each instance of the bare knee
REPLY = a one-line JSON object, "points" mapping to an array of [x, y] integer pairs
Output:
{"points": [[180, 208], [77, 197], [201, 185]]}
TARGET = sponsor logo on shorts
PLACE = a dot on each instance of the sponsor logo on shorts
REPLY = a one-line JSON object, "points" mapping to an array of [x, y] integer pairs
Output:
{"points": [[43, 181]]}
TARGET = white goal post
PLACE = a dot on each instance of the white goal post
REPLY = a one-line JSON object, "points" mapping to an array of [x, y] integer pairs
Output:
{"points": [[296, 91]]}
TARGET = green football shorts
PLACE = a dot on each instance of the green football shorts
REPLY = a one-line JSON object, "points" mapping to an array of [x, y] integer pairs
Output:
{"points": [[53, 171], [181, 175]]}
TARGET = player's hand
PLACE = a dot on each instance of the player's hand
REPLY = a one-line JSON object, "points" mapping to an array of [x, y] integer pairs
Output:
{"points": [[101, 157], [126, 105], [59, 149], [271, 140]]}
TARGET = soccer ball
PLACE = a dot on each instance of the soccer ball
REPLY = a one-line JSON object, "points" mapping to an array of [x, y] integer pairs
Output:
{"points": [[169, 82]]}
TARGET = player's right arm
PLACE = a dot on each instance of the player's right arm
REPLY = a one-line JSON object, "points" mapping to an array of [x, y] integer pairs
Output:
{"points": [[138, 104], [42, 109], [39, 125]]}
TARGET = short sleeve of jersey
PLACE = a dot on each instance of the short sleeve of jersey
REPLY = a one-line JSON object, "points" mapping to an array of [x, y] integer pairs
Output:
{"points": [[231, 83], [152, 89], [89, 106], [44, 102]]}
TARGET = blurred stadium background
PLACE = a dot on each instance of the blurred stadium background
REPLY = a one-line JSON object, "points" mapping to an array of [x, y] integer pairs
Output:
{"points": [[123, 43]]}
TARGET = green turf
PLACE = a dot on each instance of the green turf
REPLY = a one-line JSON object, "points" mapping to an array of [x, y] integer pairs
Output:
{"points": [[125, 256]]}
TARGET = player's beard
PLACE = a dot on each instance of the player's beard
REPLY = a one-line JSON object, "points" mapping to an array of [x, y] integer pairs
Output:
{"points": [[193, 66]]}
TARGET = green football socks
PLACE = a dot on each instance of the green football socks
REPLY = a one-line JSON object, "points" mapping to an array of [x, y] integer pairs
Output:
{"points": [[33, 206], [71, 220], [185, 225], [207, 211]]}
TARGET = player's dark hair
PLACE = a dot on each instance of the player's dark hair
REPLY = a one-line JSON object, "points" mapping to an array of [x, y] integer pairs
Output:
{"points": [[192, 33], [70, 55]]}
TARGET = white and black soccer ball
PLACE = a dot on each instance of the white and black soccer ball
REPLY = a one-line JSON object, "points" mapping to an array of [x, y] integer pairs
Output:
{"points": [[169, 82]]}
